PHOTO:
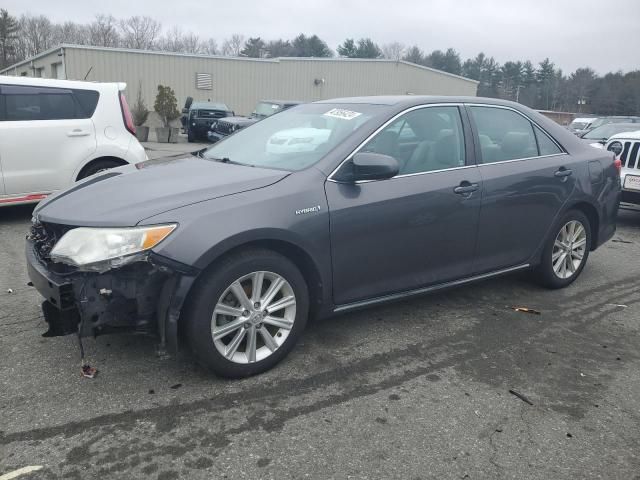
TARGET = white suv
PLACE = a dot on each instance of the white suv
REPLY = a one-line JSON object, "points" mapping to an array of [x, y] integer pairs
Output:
{"points": [[626, 147], [54, 132]]}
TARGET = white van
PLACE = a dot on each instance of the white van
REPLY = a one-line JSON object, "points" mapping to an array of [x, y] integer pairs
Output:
{"points": [[55, 132]]}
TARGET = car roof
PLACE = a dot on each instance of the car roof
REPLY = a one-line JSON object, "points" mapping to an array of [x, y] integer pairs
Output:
{"points": [[411, 100], [51, 82], [195, 105], [282, 102]]}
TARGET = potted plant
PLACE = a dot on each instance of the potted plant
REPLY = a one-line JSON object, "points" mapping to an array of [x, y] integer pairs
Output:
{"points": [[166, 105], [140, 114]]}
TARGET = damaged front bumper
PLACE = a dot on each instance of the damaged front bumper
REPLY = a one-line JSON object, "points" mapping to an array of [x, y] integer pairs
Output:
{"points": [[144, 296]]}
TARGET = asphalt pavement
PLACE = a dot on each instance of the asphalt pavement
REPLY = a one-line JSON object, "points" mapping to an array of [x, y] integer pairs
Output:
{"points": [[418, 389]]}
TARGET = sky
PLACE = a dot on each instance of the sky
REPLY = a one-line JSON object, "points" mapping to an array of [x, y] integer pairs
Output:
{"points": [[573, 34]]}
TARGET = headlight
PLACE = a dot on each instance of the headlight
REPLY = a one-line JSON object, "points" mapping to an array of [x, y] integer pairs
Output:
{"points": [[93, 247], [615, 147]]}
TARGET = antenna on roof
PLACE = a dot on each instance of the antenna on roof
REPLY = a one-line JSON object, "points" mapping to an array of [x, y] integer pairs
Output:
{"points": [[88, 72]]}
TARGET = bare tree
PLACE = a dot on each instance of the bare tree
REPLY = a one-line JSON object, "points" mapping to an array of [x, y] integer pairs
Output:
{"points": [[210, 47], [35, 34], [103, 31], [70, 32], [393, 51], [139, 32], [233, 46], [191, 43]]}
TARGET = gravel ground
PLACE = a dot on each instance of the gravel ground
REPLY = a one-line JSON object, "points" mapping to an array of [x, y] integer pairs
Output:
{"points": [[412, 390]]}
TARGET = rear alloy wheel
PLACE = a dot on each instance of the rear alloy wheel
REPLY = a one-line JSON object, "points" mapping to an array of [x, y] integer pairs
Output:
{"points": [[247, 313], [569, 249], [566, 252]]}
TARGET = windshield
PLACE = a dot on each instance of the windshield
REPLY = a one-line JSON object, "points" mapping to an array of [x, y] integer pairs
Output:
{"points": [[265, 109], [294, 139], [605, 131], [578, 125]]}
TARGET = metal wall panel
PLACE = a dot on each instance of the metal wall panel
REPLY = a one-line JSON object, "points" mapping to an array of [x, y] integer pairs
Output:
{"points": [[241, 82]]}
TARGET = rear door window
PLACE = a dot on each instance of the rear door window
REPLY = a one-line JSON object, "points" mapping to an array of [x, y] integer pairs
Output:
{"points": [[26, 103], [545, 144], [88, 101], [503, 134]]}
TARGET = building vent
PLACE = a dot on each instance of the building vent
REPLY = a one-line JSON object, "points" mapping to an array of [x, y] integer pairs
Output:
{"points": [[204, 81]]}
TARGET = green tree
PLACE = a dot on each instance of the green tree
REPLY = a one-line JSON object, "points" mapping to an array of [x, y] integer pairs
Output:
{"points": [[280, 48], [348, 48], [546, 77], [166, 104], [8, 37], [414, 55], [511, 73], [448, 61], [312, 46], [367, 48], [254, 47], [472, 67], [139, 111]]}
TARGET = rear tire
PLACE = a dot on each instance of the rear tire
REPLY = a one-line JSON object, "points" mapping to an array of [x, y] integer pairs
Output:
{"points": [[98, 166], [566, 251], [248, 321]]}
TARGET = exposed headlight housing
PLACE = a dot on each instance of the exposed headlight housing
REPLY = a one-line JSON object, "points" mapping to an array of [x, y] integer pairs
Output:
{"points": [[99, 249], [615, 147]]}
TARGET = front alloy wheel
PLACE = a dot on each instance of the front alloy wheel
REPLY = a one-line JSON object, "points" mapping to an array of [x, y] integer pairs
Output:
{"points": [[253, 317], [246, 312]]}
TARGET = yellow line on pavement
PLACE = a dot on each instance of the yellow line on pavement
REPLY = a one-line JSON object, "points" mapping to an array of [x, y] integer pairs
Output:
{"points": [[20, 471]]}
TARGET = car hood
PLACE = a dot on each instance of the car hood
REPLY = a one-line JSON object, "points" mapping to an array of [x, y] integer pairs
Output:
{"points": [[126, 195], [240, 120]]}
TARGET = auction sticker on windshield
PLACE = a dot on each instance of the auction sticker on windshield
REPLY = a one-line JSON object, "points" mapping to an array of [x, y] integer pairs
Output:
{"points": [[632, 182], [342, 114]]}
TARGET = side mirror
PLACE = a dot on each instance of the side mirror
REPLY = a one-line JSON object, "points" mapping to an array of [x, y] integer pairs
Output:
{"points": [[370, 166]]}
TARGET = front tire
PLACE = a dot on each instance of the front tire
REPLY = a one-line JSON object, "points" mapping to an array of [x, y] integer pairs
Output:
{"points": [[247, 313], [566, 251], [98, 166]]}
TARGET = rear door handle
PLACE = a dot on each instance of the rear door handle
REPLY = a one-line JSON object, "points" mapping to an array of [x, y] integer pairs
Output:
{"points": [[77, 133], [563, 172], [465, 187]]}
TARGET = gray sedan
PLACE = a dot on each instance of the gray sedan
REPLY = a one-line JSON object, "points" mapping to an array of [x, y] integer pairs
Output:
{"points": [[323, 208]]}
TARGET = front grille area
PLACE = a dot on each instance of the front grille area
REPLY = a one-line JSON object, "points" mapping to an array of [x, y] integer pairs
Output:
{"points": [[211, 114], [630, 156], [224, 127]]}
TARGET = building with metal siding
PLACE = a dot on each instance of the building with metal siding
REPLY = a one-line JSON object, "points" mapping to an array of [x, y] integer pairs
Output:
{"points": [[239, 81]]}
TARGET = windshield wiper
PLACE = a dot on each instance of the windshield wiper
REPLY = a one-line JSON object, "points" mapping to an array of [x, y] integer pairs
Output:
{"points": [[225, 160]]}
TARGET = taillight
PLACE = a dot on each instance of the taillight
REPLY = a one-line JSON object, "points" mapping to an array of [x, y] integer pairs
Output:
{"points": [[126, 114], [618, 164]]}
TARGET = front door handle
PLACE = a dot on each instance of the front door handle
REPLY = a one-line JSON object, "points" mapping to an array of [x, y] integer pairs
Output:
{"points": [[77, 133], [465, 188], [562, 172]]}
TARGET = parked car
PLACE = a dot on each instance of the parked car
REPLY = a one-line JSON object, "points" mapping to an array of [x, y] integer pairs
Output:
{"points": [[626, 148], [55, 132], [598, 136], [202, 116], [608, 120], [324, 208], [581, 125], [264, 109]]}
